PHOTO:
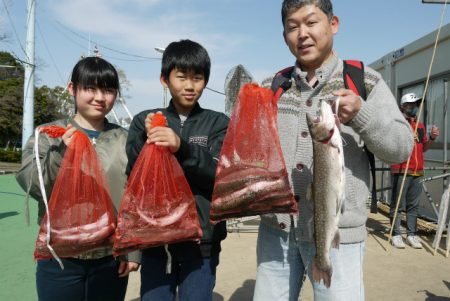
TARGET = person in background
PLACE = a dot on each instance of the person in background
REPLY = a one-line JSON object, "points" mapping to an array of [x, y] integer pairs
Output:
{"points": [[412, 189]]}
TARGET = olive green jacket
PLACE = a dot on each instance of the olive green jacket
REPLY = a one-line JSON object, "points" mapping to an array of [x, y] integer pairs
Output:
{"points": [[110, 148]]}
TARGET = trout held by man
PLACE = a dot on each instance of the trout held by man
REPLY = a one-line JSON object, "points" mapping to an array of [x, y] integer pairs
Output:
{"points": [[328, 188]]}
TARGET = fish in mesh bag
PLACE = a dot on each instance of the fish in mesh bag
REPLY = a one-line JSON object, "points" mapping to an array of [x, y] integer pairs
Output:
{"points": [[80, 213], [158, 207], [251, 176]]}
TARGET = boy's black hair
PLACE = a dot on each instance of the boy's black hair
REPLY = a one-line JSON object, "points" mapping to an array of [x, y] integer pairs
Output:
{"points": [[95, 72], [288, 5], [186, 56]]}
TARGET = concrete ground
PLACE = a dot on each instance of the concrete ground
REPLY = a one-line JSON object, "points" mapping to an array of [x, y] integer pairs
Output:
{"points": [[394, 275], [389, 275]]}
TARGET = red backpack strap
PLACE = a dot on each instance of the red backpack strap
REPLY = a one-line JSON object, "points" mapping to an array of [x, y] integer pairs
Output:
{"points": [[282, 81], [354, 80], [354, 77]]}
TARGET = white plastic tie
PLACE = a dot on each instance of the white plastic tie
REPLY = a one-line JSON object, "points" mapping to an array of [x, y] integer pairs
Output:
{"points": [[44, 196], [169, 260], [336, 105]]}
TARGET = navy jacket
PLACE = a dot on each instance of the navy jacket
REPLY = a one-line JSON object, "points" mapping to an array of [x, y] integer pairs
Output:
{"points": [[201, 136]]}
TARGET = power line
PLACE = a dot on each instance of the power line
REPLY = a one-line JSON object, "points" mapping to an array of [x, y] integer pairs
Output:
{"points": [[125, 60], [70, 39], [142, 58], [13, 27], [16, 57], [218, 92], [50, 54], [104, 55], [106, 47]]}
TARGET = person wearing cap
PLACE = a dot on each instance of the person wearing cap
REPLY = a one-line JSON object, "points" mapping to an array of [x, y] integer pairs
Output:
{"points": [[409, 200]]}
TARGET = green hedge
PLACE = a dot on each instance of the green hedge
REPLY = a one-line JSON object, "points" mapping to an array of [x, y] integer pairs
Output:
{"points": [[10, 156]]}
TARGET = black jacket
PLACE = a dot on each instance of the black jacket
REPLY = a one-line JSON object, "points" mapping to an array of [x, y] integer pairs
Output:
{"points": [[201, 136]]}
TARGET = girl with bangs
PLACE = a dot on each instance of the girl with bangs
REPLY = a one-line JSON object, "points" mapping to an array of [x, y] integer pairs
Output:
{"points": [[95, 275]]}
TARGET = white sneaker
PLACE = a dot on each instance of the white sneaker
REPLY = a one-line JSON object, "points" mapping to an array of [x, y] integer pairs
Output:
{"points": [[397, 241], [414, 242]]}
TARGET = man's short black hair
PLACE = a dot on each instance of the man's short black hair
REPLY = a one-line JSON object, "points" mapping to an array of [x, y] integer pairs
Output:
{"points": [[186, 56], [289, 5]]}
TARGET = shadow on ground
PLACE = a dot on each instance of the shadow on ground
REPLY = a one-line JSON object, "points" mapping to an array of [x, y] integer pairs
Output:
{"points": [[217, 297], [432, 297], [8, 214], [379, 230], [245, 292]]}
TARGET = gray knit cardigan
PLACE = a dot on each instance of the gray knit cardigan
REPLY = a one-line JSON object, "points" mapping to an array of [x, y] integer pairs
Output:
{"points": [[379, 125]]}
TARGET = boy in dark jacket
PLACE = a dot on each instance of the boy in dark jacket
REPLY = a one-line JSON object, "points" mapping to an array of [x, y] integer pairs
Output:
{"points": [[195, 136]]}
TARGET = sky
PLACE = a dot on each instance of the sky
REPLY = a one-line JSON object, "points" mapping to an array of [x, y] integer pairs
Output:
{"points": [[247, 32]]}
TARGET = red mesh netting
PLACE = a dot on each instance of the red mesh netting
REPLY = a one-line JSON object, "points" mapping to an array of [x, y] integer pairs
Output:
{"points": [[251, 176], [80, 207], [158, 206]]}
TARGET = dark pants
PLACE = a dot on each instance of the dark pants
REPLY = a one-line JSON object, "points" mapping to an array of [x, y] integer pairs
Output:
{"points": [[409, 200], [81, 280], [193, 276]]}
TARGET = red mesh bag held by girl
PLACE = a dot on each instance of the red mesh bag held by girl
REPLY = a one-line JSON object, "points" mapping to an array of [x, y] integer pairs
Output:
{"points": [[158, 206], [80, 212], [251, 176]]}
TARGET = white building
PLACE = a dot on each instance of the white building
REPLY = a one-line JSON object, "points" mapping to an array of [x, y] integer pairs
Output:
{"points": [[405, 70]]}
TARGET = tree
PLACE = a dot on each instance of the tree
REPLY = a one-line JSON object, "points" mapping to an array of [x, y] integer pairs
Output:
{"points": [[10, 67], [49, 103], [11, 99], [125, 84]]}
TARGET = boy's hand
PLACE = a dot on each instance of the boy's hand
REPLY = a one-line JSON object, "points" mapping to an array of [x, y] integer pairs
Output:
{"points": [[164, 136], [148, 122], [349, 105], [67, 137]]}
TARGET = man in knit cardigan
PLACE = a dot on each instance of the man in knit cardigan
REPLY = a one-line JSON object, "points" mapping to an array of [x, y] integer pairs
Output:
{"points": [[285, 247]]}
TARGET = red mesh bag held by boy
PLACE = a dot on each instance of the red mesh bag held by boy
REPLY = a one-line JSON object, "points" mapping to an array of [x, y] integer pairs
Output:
{"points": [[158, 206], [251, 176], [80, 212]]}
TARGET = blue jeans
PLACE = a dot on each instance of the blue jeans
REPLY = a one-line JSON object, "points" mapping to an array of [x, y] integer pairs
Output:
{"points": [[282, 262], [81, 280], [194, 277], [409, 201]]}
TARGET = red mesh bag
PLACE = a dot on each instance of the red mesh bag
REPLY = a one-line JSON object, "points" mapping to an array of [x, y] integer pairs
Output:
{"points": [[251, 176], [158, 206], [80, 212]]}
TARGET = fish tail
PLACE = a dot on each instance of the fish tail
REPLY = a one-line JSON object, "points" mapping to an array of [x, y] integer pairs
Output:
{"points": [[322, 273]]}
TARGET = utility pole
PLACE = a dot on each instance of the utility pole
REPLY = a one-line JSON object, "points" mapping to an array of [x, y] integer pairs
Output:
{"points": [[28, 87], [445, 131], [161, 50]]}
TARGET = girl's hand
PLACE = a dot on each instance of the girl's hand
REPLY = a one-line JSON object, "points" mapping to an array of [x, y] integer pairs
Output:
{"points": [[67, 137], [125, 267]]}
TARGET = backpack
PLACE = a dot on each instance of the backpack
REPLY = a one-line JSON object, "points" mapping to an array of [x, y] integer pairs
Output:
{"points": [[353, 74]]}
